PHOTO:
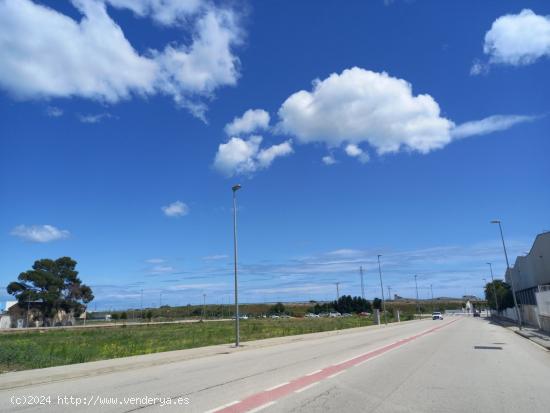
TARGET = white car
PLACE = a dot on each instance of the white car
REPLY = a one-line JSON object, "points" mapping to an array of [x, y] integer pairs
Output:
{"points": [[436, 315]]}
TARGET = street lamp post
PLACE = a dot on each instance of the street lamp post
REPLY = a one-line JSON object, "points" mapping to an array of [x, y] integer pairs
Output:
{"points": [[508, 269], [362, 283], [417, 304], [485, 286], [235, 188], [382, 290], [432, 293], [494, 287]]}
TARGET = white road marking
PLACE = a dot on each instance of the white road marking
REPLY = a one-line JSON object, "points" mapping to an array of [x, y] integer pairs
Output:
{"points": [[222, 407], [335, 374], [277, 386], [314, 372], [263, 406], [306, 387]]}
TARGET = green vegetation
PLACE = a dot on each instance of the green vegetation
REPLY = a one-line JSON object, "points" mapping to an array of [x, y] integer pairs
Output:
{"points": [[503, 292], [37, 349]]}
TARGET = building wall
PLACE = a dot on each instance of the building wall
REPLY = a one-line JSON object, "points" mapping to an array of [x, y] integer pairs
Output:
{"points": [[533, 269]]}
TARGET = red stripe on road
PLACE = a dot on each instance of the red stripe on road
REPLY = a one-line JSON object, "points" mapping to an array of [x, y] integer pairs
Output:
{"points": [[268, 396]]}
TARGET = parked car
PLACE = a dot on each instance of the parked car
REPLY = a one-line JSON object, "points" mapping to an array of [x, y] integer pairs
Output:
{"points": [[476, 314], [436, 315], [274, 316], [311, 315], [346, 315], [334, 314]]}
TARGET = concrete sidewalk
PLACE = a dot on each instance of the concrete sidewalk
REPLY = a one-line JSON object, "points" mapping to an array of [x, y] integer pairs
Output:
{"points": [[531, 333]]}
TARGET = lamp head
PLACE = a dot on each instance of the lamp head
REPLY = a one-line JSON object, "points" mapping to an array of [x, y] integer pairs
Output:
{"points": [[236, 187]]}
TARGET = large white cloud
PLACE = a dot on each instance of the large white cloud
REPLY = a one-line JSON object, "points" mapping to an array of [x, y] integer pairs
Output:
{"points": [[359, 105], [39, 233], [240, 156], [518, 39], [252, 120], [45, 54]]}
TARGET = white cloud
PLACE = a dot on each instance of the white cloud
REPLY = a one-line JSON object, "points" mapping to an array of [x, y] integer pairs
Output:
{"points": [[175, 209], [328, 160], [489, 125], [359, 105], [155, 261], [215, 257], [94, 118], [165, 12], [161, 269], [54, 112], [39, 233], [251, 121], [46, 54], [239, 156], [518, 39], [266, 156], [479, 68], [356, 152]]}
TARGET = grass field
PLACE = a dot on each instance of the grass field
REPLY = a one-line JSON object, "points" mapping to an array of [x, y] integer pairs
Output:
{"points": [[31, 350]]}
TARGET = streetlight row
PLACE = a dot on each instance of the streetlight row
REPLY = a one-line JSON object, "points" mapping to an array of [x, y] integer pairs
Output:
{"points": [[235, 188]]}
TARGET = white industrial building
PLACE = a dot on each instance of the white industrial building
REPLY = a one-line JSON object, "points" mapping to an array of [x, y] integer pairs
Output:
{"points": [[531, 275]]}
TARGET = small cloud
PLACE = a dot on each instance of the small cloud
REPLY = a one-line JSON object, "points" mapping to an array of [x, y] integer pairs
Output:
{"points": [[94, 118], [161, 269], [54, 112], [356, 152], [155, 261], [489, 125], [175, 209], [479, 68], [239, 156], [251, 121], [39, 233], [215, 257], [329, 160]]}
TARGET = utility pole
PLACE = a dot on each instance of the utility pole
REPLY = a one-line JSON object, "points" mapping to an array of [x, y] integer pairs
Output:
{"points": [[417, 303], [337, 291], [382, 290], [141, 304], [432, 292], [518, 313], [389, 293], [362, 283], [204, 305], [160, 299]]}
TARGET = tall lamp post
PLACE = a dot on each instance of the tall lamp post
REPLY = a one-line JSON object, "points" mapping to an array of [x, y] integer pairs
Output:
{"points": [[494, 287], [382, 290], [235, 188], [417, 303], [485, 286], [508, 269]]}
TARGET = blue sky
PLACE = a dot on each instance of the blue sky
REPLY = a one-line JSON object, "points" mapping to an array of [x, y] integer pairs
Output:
{"points": [[397, 128]]}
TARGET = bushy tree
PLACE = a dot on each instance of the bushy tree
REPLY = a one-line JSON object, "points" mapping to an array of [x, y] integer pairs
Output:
{"points": [[503, 292], [377, 303], [278, 308], [52, 285]]}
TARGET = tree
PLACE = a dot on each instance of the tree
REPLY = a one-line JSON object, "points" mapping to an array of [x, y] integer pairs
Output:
{"points": [[52, 285], [123, 316], [504, 295], [115, 317], [149, 315], [377, 303], [278, 308]]}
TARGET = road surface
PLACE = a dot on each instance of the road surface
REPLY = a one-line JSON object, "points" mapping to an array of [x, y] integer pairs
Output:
{"points": [[459, 364]]}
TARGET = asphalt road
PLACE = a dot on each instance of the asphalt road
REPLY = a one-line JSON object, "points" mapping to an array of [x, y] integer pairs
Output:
{"points": [[423, 366]]}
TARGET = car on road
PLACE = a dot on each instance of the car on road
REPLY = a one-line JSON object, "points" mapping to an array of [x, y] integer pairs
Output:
{"points": [[436, 315]]}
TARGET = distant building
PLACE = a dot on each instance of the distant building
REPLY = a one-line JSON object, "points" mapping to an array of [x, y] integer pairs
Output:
{"points": [[470, 298]]}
